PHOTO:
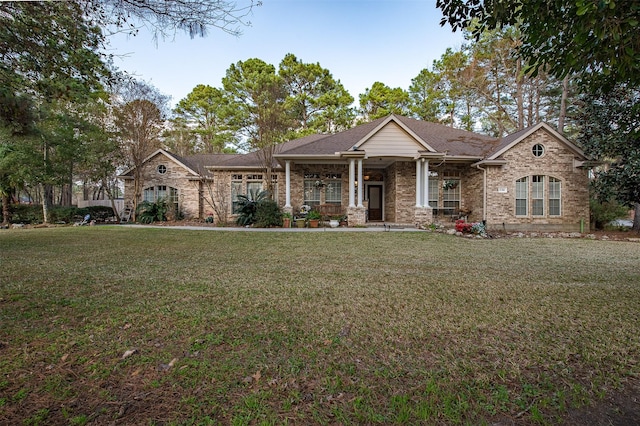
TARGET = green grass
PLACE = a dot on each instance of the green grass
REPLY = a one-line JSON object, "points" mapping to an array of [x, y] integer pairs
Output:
{"points": [[322, 328]]}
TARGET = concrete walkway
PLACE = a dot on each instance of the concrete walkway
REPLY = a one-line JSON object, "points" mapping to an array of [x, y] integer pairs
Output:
{"points": [[391, 228]]}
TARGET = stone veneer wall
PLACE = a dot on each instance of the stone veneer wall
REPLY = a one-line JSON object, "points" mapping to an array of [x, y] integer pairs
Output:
{"points": [[297, 183], [558, 162], [390, 193], [405, 192], [176, 177]]}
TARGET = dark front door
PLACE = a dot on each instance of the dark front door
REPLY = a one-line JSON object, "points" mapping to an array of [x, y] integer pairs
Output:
{"points": [[374, 194]]}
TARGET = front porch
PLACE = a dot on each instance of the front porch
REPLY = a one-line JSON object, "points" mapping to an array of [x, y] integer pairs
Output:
{"points": [[365, 190]]}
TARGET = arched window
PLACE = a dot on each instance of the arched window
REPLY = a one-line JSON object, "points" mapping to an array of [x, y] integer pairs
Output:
{"points": [[538, 196]]}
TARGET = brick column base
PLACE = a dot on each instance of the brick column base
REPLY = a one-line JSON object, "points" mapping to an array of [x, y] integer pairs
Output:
{"points": [[423, 216], [357, 216]]}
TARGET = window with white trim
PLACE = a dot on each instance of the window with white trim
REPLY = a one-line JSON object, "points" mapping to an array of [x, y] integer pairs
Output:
{"points": [[236, 189], [311, 189], [555, 196], [434, 190], [333, 188], [537, 195], [533, 198], [155, 193], [254, 185], [522, 196], [451, 195]]}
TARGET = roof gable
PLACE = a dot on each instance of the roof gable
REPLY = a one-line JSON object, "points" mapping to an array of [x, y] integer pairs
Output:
{"points": [[392, 137], [172, 157], [512, 140]]}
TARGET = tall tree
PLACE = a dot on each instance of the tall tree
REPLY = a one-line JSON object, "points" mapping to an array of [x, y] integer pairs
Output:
{"points": [[598, 41], [318, 103], [457, 99], [257, 99], [205, 110], [381, 100], [610, 132], [426, 96], [179, 137], [139, 121], [48, 55]]}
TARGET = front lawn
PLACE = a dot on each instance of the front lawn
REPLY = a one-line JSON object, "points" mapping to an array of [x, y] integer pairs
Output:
{"points": [[160, 326]]}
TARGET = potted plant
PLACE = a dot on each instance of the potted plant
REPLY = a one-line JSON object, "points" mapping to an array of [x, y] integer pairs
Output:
{"points": [[343, 220], [314, 218], [286, 220], [334, 222]]}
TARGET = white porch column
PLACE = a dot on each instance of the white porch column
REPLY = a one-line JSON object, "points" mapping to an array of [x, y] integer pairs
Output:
{"points": [[287, 173], [426, 183], [360, 183], [419, 183], [352, 182]]}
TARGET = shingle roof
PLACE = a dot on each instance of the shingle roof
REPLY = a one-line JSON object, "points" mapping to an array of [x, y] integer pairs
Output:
{"points": [[440, 137], [452, 141]]}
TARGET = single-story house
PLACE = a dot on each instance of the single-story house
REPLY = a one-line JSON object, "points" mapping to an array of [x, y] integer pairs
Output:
{"points": [[395, 170]]}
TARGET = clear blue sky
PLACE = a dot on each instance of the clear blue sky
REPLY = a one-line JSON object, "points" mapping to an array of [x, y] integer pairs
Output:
{"points": [[358, 41]]}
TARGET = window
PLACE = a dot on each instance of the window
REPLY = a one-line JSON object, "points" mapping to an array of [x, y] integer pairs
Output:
{"points": [[333, 188], [434, 191], [537, 195], [311, 189], [531, 196], [162, 169], [161, 192], [252, 188], [236, 189], [522, 198], [451, 195], [167, 193], [554, 196], [274, 185], [254, 185], [538, 150], [149, 194]]}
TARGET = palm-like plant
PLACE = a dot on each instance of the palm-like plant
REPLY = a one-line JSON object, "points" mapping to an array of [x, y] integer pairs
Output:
{"points": [[148, 212], [248, 206]]}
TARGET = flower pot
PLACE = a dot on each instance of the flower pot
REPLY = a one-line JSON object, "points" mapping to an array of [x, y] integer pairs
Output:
{"points": [[313, 223], [286, 222], [334, 223], [300, 223]]}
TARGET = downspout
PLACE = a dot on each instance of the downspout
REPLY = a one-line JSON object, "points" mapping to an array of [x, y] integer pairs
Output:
{"points": [[484, 194]]}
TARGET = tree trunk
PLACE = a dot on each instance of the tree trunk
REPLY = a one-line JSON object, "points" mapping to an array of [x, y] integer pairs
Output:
{"points": [[636, 218], [519, 94], [113, 204], [563, 103], [47, 200], [5, 209]]}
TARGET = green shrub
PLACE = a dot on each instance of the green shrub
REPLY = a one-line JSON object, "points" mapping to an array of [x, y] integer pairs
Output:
{"points": [[26, 213], [268, 214], [604, 212], [100, 213], [149, 212], [32, 213]]}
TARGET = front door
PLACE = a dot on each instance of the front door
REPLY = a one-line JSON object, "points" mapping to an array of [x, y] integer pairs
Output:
{"points": [[374, 194]]}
